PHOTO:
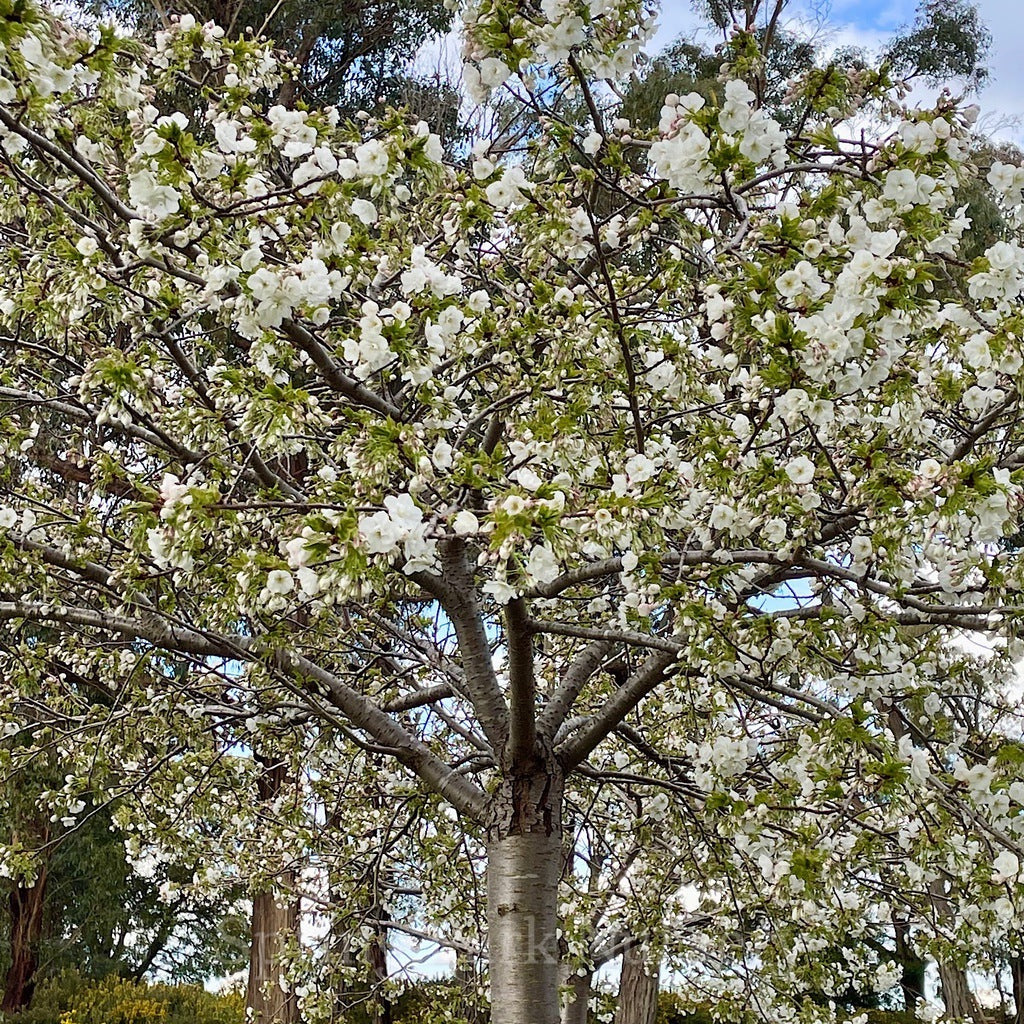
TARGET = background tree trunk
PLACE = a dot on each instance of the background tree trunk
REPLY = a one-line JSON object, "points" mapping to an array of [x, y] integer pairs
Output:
{"points": [[638, 990], [575, 1003], [26, 924], [273, 923], [524, 861], [957, 996], [956, 993], [1017, 975], [912, 967], [468, 981], [377, 970]]}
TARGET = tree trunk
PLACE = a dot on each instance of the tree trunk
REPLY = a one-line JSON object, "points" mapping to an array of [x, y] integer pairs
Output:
{"points": [[1017, 974], [273, 923], [468, 983], [524, 860], [956, 993], [362, 994], [638, 990], [377, 966], [344, 953], [957, 996], [912, 967], [26, 924], [576, 1001], [362, 991]]}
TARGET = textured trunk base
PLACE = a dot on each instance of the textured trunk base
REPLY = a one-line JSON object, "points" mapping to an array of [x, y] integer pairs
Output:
{"points": [[26, 923], [273, 924], [264, 996], [522, 909], [638, 990], [957, 996]]}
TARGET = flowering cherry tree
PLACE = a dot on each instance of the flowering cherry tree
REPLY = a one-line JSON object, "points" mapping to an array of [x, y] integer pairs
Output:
{"points": [[511, 470]]}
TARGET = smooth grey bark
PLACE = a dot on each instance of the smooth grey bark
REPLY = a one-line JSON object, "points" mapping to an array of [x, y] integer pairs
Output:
{"points": [[524, 862], [648, 676], [575, 678], [638, 989], [522, 922], [456, 591], [522, 695]]}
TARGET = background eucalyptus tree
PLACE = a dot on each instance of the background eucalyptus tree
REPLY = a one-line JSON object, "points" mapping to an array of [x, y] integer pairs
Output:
{"points": [[357, 55]]}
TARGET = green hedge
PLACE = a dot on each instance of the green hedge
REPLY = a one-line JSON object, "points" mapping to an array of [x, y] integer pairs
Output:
{"points": [[71, 998], [68, 998]]}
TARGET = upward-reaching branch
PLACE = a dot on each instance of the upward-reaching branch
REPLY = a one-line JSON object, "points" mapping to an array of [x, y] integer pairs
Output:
{"points": [[457, 595], [522, 684], [576, 677], [650, 674]]}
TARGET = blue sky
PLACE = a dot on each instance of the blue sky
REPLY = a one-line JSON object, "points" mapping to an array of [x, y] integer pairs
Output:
{"points": [[868, 18], [870, 23], [880, 14]]}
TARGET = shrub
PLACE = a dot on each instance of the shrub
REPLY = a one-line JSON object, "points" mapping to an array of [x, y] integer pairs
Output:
{"points": [[68, 998], [892, 1017]]}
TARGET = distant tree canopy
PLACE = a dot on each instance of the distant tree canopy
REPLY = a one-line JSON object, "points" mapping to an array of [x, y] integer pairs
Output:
{"points": [[355, 54], [103, 918], [948, 40], [90, 910]]}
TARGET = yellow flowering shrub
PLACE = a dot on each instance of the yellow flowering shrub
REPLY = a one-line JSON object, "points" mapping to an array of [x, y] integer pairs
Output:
{"points": [[68, 998]]}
